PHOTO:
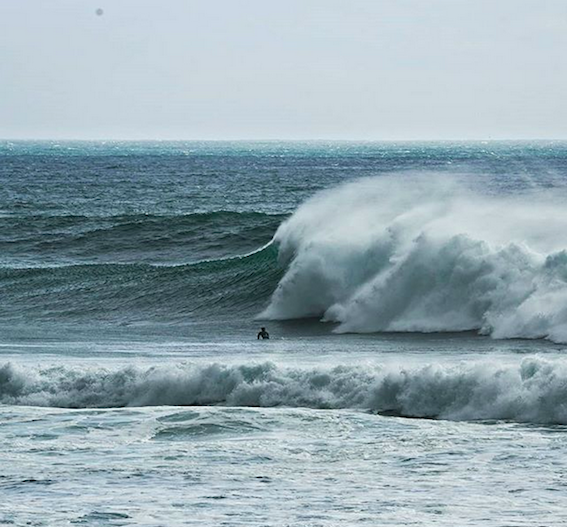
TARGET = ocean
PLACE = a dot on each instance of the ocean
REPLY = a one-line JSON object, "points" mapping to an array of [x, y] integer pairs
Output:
{"points": [[416, 300]]}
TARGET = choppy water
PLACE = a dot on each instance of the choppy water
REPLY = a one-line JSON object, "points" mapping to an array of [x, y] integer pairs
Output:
{"points": [[133, 390]]}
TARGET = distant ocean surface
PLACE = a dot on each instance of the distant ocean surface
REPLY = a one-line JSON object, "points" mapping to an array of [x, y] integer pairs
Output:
{"points": [[416, 299]]}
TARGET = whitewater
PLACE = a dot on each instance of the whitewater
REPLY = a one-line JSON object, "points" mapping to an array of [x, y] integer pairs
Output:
{"points": [[415, 295], [427, 254], [532, 391]]}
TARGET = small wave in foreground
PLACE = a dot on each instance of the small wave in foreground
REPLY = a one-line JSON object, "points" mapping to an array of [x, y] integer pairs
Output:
{"points": [[533, 391]]}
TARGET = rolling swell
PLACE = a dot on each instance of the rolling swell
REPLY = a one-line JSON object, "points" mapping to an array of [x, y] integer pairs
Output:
{"points": [[534, 390], [140, 292], [47, 240]]}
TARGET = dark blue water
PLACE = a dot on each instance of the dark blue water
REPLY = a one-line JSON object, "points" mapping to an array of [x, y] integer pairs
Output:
{"points": [[121, 233], [133, 389]]}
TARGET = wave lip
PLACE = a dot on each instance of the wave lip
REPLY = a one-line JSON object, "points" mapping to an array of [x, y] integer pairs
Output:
{"points": [[533, 391], [140, 292], [426, 254], [47, 240]]}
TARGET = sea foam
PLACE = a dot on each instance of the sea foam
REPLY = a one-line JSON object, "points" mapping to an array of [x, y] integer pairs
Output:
{"points": [[533, 390], [426, 254]]}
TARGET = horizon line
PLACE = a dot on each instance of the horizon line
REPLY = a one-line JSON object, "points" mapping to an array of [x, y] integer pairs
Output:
{"points": [[280, 140]]}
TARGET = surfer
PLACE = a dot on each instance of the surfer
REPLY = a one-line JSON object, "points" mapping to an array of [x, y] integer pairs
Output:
{"points": [[263, 334]]}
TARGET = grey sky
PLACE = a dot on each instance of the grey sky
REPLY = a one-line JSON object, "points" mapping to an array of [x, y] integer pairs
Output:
{"points": [[293, 69]]}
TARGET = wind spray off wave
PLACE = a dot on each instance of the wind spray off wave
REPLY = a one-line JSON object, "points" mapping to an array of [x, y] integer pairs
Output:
{"points": [[426, 254]]}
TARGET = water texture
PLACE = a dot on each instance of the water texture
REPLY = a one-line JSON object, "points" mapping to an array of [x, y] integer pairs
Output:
{"points": [[415, 294]]}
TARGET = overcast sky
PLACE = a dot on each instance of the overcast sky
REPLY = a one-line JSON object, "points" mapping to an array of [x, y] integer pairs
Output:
{"points": [[283, 69]]}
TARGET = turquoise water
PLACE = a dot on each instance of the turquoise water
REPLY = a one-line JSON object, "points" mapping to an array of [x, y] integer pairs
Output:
{"points": [[415, 295]]}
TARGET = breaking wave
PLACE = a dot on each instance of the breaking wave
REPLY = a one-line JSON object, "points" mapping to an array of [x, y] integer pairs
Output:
{"points": [[427, 255], [534, 390]]}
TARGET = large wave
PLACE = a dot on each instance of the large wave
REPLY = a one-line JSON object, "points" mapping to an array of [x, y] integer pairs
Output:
{"points": [[127, 268], [127, 293], [534, 390], [46, 240], [426, 254]]}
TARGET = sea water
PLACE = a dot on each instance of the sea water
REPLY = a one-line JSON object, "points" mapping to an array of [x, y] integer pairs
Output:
{"points": [[416, 298]]}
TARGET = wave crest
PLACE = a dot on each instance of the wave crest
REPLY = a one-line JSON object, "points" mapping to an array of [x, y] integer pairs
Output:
{"points": [[534, 390], [47, 240], [141, 292], [426, 254]]}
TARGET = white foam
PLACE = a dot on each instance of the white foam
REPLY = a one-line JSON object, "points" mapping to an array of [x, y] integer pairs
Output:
{"points": [[426, 254], [533, 390]]}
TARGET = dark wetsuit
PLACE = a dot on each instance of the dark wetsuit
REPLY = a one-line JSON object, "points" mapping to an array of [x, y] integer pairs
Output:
{"points": [[263, 334]]}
